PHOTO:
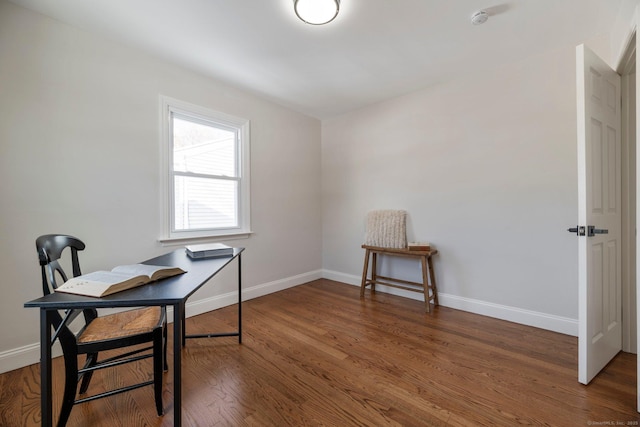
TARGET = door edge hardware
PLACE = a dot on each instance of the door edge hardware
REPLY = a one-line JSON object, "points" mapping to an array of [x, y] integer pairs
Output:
{"points": [[579, 230], [589, 230], [592, 230]]}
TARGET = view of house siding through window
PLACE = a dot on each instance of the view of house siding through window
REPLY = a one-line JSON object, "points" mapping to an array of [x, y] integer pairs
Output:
{"points": [[206, 175]]}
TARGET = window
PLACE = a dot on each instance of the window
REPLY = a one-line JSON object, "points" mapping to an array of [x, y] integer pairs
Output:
{"points": [[207, 172]]}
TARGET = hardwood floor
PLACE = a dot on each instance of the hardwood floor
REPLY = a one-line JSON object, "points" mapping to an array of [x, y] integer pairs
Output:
{"points": [[316, 355]]}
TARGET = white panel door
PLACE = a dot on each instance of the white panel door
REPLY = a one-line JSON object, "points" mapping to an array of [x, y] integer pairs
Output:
{"points": [[599, 210]]}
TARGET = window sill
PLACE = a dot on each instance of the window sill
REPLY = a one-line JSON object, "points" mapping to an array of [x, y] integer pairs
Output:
{"points": [[179, 241]]}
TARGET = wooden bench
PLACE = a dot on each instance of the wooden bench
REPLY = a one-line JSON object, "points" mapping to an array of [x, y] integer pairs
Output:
{"points": [[428, 284]]}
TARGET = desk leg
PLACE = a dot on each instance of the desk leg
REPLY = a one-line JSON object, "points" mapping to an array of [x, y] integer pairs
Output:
{"points": [[240, 298], [46, 388], [178, 316], [184, 325], [221, 334]]}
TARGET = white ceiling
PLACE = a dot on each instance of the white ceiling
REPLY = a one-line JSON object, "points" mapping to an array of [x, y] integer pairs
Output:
{"points": [[373, 50]]}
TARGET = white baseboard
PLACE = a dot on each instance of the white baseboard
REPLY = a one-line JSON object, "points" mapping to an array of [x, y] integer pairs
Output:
{"points": [[30, 354], [205, 305], [24, 356], [536, 319]]}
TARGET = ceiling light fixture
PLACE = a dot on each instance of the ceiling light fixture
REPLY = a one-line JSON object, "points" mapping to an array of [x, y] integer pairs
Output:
{"points": [[316, 12], [479, 17]]}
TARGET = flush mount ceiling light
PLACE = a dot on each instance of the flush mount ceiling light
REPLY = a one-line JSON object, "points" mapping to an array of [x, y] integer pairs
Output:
{"points": [[316, 12], [479, 17]]}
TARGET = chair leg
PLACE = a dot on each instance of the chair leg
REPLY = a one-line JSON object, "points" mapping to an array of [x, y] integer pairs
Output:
{"points": [[158, 365], [70, 387], [92, 359]]}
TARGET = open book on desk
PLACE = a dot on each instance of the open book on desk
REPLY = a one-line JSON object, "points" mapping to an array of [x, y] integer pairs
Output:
{"points": [[121, 278]]}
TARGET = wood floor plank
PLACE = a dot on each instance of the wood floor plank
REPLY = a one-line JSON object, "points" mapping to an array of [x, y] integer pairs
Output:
{"points": [[318, 355]]}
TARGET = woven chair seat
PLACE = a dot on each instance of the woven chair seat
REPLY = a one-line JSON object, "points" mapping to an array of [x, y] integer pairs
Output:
{"points": [[119, 325]]}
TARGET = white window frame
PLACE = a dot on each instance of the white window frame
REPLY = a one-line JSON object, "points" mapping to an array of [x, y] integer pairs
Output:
{"points": [[201, 114]]}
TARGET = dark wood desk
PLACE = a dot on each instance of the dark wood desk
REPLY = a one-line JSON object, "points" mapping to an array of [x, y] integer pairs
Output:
{"points": [[172, 292]]}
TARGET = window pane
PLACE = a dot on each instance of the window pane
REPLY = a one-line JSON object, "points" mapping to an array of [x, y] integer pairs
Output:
{"points": [[202, 203], [204, 149], [208, 172]]}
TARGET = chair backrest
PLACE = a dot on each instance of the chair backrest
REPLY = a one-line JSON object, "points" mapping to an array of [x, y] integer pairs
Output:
{"points": [[50, 249], [386, 229]]}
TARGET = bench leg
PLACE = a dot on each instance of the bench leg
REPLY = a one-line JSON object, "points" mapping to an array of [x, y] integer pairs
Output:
{"points": [[432, 275], [365, 271], [374, 272], [425, 285]]}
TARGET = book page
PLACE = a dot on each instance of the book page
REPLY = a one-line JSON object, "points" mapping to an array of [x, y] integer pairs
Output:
{"points": [[106, 277], [138, 269], [102, 283], [154, 272], [93, 284]]}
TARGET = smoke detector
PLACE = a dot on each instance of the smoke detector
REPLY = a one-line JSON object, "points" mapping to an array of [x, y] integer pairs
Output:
{"points": [[479, 17]]}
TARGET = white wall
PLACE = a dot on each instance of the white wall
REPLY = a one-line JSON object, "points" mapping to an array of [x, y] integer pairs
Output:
{"points": [[622, 30], [486, 168], [79, 154]]}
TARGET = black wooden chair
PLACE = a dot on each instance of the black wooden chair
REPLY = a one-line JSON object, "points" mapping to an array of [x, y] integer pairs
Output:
{"points": [[126, 330]]}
